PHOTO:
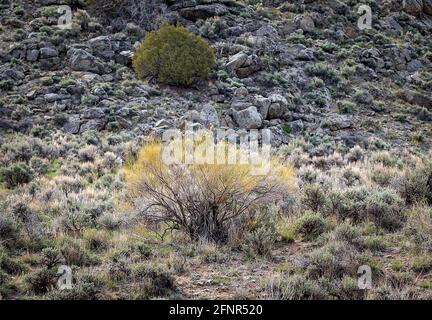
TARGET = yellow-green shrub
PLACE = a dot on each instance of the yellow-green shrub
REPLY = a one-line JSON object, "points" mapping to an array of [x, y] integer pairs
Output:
{"points": [[201, 199], [173, 56]]}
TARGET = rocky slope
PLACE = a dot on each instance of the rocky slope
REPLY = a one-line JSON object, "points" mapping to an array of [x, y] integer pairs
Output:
{"points": [[297, 67], [350, 111]]}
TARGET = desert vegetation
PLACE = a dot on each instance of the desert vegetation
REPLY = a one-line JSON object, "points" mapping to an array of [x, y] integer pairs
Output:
{"points": [[83, 184], [123, 223]]}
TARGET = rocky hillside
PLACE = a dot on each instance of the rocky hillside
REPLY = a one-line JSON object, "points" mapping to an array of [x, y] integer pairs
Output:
{"points": [[349, 109], [296, 67]]}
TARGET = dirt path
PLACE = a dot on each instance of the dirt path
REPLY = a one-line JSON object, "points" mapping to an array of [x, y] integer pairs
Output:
{"points": [[235, 278]]}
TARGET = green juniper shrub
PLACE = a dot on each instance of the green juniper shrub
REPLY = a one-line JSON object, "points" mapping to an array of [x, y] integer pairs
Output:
{"points": [[174, 56], [51, 257]]}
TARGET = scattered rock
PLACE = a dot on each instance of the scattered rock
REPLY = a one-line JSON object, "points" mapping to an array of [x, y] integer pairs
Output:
{"points": [[248, 118], [81, 60], [278, 106], [296, 126], [209, 116], [305, 23], [72, 125], [243, 65]]}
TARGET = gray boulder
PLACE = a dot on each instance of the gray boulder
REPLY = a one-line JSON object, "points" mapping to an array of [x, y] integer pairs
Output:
{"points": [[263, 105], [102, 47], [248, 118], [81, 60], [72, 125], [278, 106], [209, 116], [305, 23], [49, 59], [243, 65]]}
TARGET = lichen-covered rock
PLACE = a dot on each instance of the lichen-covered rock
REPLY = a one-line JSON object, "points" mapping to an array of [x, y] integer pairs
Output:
{"points": [[243, 65], [209, 116], [81, 60], [248, 118]]}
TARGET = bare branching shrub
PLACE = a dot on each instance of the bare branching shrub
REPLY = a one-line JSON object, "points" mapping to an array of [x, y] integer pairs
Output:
{"points": [[200, 199]]}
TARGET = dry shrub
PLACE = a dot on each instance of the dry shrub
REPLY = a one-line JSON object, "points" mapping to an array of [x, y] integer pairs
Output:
{"points": [[201, 199]]}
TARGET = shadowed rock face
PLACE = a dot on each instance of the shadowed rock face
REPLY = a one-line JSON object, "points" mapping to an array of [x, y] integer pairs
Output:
{"points": [[418, 7], [202, 9]]}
